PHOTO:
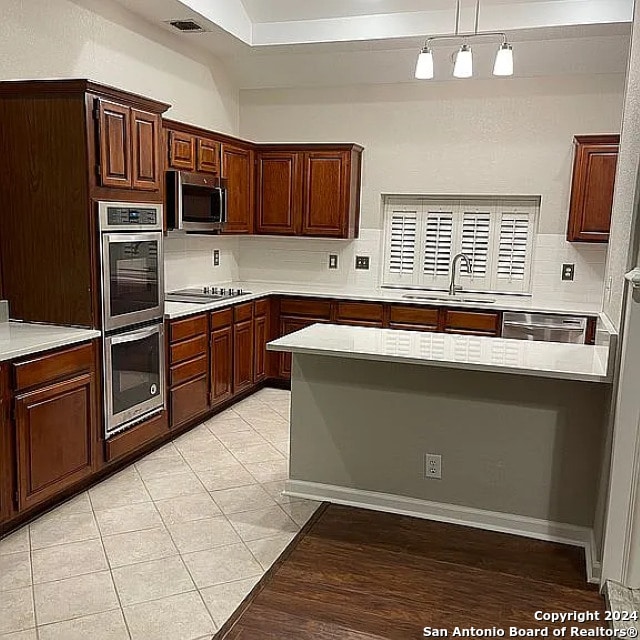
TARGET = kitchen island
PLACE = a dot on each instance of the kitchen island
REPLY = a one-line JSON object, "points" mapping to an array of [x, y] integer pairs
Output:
{"points": [[519, 426]]}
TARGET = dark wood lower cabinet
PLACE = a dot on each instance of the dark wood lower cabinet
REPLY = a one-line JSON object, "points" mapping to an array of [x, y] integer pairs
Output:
{"points": [[221, 345], [56, 438], [289, 325], [6, 450], [189, 400], [243, 349], [260, 339]]}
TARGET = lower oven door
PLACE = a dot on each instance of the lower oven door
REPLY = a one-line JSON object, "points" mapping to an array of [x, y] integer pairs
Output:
{"points": [[133, 376]]}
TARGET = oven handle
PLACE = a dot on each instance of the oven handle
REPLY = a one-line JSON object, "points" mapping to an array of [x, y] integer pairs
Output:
{"points": [[136, 335]]}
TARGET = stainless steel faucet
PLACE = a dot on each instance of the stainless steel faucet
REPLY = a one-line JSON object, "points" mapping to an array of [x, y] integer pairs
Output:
{"points": [[453, 287]]}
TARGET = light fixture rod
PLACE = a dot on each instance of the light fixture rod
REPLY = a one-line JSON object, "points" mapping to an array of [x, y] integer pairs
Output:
{"points": [[465, 36], [457, 17], [475, 29]]}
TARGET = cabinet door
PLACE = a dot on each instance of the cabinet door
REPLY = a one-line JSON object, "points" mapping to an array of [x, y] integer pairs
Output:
{"points": [[221, 365], [594, 173], [237, 168], [189, 400], [182, 151], [6, 458], [145, 145], [208, 156], [289, 325], [325, 211], [260, 339], [242, 355], [55, 434], [115, 145], [279, 193]]}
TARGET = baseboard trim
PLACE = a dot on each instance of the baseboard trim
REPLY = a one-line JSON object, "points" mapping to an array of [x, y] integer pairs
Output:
{"points": [[455, 514]]}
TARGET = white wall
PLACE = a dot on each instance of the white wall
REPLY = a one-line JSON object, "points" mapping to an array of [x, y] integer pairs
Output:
{"points": [[511, 136], [102, 41]]}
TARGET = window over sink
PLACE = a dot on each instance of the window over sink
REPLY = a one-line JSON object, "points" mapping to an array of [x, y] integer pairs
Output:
{"points": [[423, 233]]}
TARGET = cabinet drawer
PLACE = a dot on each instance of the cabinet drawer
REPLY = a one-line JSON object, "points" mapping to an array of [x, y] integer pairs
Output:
{"points": [[187, 370], [222, 318], [243, 312], [189, 401], [367, 311], [261, 307], [188, 349], [187, 328], [122, 444], [472, 322], [305, 307], [408, 315], [54, 366]]}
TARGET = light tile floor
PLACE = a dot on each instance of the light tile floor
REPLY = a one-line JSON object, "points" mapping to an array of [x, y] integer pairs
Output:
{"points": [[166, 548]]}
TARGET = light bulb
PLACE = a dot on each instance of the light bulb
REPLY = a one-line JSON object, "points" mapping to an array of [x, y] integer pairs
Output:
{"points": [[463, 68], [503, 65], [424, 66]]}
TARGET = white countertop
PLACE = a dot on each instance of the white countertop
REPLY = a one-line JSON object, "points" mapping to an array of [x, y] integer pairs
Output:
{"points": [[19, 339], [259, 289], [472, 353]]}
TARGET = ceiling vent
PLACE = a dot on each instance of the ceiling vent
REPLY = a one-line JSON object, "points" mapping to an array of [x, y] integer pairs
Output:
{"points": [[188, 26]]}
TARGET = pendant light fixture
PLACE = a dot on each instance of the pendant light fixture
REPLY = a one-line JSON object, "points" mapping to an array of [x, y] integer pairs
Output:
{"points": [[463, 65]]}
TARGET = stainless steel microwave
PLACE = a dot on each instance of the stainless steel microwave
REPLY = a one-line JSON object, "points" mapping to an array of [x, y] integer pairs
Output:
{"points": [[196, 202]]}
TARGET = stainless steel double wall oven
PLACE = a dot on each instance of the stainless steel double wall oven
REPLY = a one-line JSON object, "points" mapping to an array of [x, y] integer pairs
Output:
{"points": [[132, 266]]}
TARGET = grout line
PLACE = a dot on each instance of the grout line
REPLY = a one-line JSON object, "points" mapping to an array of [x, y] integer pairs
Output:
{"points": [[33, 586], [106, 555]]}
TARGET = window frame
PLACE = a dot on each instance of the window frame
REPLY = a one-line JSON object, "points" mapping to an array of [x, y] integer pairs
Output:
{"points": [[498, 207]]}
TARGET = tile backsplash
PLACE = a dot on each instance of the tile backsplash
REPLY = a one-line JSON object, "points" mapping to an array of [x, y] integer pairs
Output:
{"points": [[189, 262]]}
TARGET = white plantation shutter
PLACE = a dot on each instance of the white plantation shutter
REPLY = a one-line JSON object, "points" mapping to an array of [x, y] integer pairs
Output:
{"points": [[402, 255], [476, 235], [423, 234], [438, 245], [515, 244]]}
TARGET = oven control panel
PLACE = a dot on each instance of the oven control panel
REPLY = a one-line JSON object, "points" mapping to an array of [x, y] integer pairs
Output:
{"points": [[128, 215]]}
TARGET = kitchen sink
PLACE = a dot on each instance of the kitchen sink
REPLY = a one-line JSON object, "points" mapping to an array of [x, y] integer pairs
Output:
{"points": [[427, 297]]}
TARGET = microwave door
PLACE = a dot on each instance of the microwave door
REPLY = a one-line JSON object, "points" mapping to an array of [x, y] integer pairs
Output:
{"points": [[200, 205]]}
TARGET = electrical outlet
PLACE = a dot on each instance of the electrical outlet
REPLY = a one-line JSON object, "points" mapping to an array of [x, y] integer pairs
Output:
{"points": [[362, 262], [568, 271], [216, 257], [433, 466], [333, 261]]}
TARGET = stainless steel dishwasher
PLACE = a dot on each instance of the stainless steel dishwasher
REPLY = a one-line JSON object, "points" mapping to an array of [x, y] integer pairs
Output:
{"points": [[544, 327]]}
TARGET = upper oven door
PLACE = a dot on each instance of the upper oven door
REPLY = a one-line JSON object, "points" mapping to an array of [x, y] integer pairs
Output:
{"points": [[132, 278], [201, 202]]}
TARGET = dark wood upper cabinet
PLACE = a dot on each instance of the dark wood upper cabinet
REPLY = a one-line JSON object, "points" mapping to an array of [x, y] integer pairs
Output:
{"points": [[237, 168], [146, 150], [594, 172], [115, 145], [326, 193], [56, 423], [208, 156], [182, 150], [279, 193]]}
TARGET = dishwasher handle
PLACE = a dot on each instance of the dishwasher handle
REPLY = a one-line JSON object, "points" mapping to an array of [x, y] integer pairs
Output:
{"points": [[532, 325]]}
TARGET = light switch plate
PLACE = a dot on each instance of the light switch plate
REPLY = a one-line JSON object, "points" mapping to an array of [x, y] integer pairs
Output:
{"points": [[333, 261], [216, 257], [362, 262]]}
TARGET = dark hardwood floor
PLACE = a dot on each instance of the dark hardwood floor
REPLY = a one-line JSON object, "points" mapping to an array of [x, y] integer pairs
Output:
{"points": [[354, 575]]}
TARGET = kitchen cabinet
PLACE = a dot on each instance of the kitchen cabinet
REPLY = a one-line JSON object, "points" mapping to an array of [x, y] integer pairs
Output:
{"points": [[243, 347], [6, 454], [413, 318], [129, 147], [221, 349], [237, 168], [594, 172], [188, 369], [208, 156], [279, 193], [472, 322], [181, 151], [365, 314], [311, 190], [190, 148], [260, 339], [56, 423]]}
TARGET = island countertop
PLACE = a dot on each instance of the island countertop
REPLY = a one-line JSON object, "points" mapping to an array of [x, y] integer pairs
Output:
{"points": [[18, 339], [563, 361]]}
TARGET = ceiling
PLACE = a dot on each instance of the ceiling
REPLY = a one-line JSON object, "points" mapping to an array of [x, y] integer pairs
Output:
{"points": [[304, 43]]}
